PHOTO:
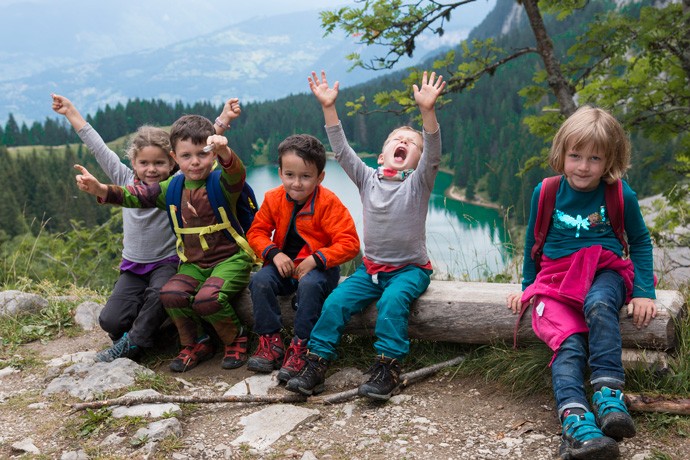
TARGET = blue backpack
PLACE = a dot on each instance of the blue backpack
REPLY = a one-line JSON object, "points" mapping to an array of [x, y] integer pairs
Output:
{"points": [[241, 221]]}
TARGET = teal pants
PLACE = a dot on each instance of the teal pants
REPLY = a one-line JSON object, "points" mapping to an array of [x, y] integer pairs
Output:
{"points": [[393, 292]]}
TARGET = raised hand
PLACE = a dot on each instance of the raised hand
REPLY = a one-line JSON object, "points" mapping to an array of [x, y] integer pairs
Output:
{"points": [[231, 109], [431, 89], [61, 104], [324, 94], [89, 184]]}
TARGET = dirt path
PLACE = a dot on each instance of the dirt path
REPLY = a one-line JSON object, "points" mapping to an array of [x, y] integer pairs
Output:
{"points": [[440, 418]]}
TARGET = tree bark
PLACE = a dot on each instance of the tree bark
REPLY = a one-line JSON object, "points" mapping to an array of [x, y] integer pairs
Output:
{"points": [[642, 403], [476, 313], [557, 82]]}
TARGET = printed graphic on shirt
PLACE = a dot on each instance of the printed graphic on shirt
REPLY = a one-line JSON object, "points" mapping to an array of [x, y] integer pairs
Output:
{"points": [[596, 222]]}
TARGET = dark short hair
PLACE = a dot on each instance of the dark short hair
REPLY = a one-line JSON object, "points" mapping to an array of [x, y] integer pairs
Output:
{"points": [[191, 127], [307, 147]]}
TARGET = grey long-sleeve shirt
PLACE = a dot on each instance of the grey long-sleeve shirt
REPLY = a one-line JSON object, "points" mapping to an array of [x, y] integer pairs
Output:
{"points": [[394, 221], [147, 234]]}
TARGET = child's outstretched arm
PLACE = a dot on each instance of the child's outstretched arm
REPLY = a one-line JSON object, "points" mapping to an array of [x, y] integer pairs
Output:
{"points": [[326, 96], [89, 184], [426, 96], [231, 111], [64, 106]]}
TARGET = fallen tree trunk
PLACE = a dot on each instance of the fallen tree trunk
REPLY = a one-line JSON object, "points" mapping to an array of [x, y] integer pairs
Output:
{"points": [[642, 403], [476, 313]]}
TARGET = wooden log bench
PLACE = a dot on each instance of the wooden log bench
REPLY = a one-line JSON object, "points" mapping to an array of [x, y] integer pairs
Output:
{"points": [[476, 313]]}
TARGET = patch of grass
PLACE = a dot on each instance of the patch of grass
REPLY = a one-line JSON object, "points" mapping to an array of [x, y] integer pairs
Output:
{"points": [[92, 422], [156, 381]]}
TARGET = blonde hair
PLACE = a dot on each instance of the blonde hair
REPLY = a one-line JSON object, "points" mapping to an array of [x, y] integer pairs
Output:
{"points": [[593, 128], [149, 136], [406, 128]]}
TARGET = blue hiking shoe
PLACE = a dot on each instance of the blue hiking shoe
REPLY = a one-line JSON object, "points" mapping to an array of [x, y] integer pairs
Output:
{"points": [[612, 414], [582, 439], [122, 348]]}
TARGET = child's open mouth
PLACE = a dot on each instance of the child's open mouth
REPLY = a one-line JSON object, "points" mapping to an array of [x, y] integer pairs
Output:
{"points": [[400, 154]]}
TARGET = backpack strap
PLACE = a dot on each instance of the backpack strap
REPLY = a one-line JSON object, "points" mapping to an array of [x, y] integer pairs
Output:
{"points": [[545, 207], [220, 207], [173, 198], [616, 212]]}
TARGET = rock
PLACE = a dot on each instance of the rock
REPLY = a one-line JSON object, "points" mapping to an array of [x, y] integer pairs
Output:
{"points": [[74, 455], [79, 357], [263, 428], [85, 380], [7, 371], [86, 315], [348, 377], [159, 430], [18, 302], [155, 410], [26, 445], [259, 384]]}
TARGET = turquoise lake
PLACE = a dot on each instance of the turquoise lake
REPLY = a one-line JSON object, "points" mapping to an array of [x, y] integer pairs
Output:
{"points": [[464, 241]]}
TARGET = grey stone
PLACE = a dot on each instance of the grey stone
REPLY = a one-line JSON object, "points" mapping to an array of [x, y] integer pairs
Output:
{"points": [[259, 384], [18, 302], [154, 410], [26, 445], [85, 380], [86, 315], [159, 430], [79, 357], [74, 455], [263, 428], [347, 377]]}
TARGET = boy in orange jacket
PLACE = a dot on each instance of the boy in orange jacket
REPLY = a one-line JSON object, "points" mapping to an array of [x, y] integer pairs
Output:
{"points": [[303, 232]]}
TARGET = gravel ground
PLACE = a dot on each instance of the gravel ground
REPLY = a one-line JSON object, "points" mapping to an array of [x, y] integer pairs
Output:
{"points": [[442, 417]]}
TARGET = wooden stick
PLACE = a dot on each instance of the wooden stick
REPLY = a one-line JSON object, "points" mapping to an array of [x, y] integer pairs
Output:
{"points": [[405, 379], [663, 404], [249, 398], [155, 399]]}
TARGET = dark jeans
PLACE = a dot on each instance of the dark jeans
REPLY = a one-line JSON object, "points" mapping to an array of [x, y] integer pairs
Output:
{"points": [[267, 284], [135, 307], [601, 308]]}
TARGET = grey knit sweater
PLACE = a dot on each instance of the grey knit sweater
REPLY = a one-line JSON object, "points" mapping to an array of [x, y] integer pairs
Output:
{"points": [[147, 234], [394, 221]]}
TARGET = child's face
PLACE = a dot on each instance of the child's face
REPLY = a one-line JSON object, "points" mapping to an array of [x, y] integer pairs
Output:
{"points": [[584, 168], [194, 163], [299, 178], [152, 165], [402, 150]]}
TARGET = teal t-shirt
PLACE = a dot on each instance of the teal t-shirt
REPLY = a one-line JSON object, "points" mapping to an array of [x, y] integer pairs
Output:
{"points": [[580, 219]]}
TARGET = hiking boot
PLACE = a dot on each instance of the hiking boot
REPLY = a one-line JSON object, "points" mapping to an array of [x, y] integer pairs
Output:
{"points": [[582, 439], [236, 353], [294, 360], [121, 348], [385, 377], [612, 415], [268, 355], [310, 379], [192, 355]]}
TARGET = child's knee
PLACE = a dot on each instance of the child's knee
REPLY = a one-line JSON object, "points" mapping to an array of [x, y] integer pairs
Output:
{"points": [[209, 299], [178, 291]]}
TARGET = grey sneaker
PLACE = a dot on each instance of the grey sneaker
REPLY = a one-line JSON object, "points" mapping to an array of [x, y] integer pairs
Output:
{"points": [[122, 348]]}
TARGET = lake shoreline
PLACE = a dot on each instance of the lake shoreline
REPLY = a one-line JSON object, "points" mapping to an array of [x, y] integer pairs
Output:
{"points": [[456, 193]]}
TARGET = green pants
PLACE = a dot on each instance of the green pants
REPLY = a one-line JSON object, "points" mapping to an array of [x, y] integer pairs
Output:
{"points": [[195, 294]]}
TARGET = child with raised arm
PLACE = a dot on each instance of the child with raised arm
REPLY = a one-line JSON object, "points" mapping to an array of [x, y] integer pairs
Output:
{"points": [[580, 280], [133, 312], [396, 268], [303, 232], [214, 267]]}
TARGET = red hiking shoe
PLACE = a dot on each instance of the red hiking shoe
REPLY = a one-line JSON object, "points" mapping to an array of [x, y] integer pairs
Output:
{"points": [[268, 355], [236, 353], [192, 355], [294, 360]]}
